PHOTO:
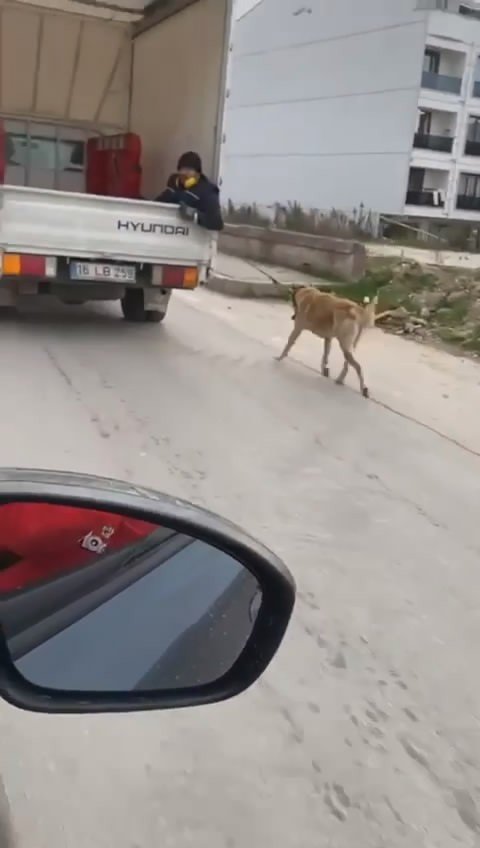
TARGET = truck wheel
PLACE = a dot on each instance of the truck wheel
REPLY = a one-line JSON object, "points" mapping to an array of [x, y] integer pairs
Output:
{"points": [[154, 316], [133, 308]]}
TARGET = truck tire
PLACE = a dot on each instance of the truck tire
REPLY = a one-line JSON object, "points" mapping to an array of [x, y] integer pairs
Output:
{"points": [[154, 316], [133, 308]]}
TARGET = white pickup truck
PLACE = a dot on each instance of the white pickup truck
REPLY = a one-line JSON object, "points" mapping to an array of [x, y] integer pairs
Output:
{"points": [[158, 71], [81, 247]]}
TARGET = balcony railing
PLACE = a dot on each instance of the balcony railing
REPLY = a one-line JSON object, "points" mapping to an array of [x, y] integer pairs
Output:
{"points": [[425, 141], [472, 148], [441, 82], [424, 198], [476, 89], [472, 204]]}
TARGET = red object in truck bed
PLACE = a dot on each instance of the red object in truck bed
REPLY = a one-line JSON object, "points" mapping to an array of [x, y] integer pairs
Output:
{"points": [[113, 165]]}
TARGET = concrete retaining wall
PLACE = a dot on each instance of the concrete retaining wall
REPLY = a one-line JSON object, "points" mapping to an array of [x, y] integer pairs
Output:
{"points": [[315, 254], [442, 258]]}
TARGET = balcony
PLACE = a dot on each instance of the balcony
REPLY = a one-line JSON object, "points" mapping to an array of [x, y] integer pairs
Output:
{"points": [[472, 148], [427, 197], [470, 204], [428, 187], [441, 82], [469, 12], [427, 141]]}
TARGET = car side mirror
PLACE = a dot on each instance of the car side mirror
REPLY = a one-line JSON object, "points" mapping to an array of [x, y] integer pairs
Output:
{"points": [[118, 598]]}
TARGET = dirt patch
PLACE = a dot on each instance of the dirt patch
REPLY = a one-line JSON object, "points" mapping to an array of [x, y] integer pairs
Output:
{"points": [[431, 304]]}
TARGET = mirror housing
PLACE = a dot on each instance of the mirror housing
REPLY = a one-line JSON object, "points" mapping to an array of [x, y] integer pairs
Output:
{"points": [[138, 503]]}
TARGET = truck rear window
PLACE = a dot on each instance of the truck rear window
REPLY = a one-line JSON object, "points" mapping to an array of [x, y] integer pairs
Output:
{"points": [[44, 155]]}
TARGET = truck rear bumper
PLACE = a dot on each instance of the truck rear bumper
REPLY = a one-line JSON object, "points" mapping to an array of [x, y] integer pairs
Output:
{"points": [[13, 290]]}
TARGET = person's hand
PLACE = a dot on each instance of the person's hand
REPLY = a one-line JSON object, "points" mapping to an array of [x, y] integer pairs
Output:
{"points": [[187, 212]]}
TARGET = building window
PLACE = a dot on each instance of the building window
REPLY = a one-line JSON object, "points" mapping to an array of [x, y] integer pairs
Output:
{"points": [[431, 61], [469, 185], [424, 123], [473, 132], [416, 179], [476, 78]]}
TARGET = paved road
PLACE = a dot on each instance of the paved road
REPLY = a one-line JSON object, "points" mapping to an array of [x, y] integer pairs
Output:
{"points": [[365, 732]]}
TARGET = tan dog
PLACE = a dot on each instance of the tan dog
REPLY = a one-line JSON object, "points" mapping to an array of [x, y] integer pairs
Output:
{"points": [[331, 317]]}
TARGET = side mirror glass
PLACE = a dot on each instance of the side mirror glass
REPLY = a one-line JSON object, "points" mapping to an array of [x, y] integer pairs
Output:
{"points": [[99, 602]]}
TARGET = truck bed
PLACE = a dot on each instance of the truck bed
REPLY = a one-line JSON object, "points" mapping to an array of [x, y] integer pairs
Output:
{"points": [[55, 223]]}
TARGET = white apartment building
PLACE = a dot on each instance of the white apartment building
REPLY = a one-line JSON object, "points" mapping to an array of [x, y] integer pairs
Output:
{"points": [[339, 103]]}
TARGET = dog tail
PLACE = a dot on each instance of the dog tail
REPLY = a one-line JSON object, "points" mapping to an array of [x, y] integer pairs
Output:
{"points": [[369, 310], [368, 317]]}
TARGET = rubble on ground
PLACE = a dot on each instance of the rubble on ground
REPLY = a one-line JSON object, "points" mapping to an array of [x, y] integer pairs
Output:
{"points": [[431, 303]]}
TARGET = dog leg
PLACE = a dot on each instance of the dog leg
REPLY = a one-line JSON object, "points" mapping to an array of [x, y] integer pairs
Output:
{"points": [[350, 360], [327, 346], [343, 373], [291, 341]]}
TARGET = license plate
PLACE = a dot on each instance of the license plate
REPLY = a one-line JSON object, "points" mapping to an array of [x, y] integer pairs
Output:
{"points": [[102, 271]]}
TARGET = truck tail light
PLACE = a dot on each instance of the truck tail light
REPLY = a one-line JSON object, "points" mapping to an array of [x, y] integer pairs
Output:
{"points": [[11, 264], [28, 265], [190, 278], [175, 277]]}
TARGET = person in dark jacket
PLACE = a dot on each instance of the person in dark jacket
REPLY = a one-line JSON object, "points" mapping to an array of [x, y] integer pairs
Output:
{"points": [[192, 190]]}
